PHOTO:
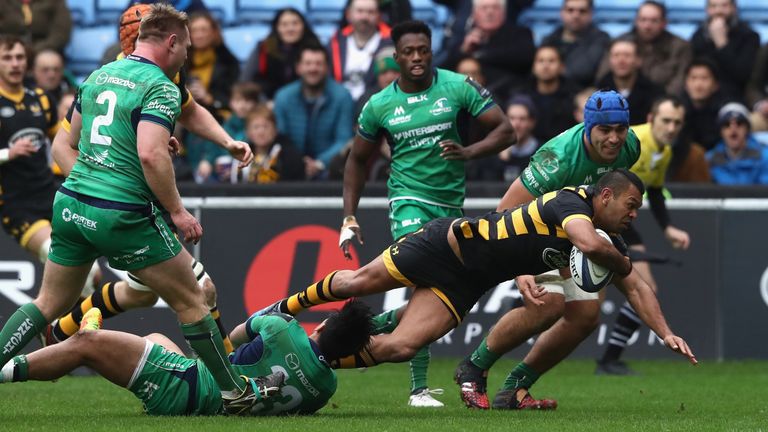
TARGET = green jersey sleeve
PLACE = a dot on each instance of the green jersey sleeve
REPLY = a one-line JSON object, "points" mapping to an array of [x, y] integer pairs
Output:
{"points": [[162, 105], [477, 99], [266, 325], [541, 174], [368, 126]]}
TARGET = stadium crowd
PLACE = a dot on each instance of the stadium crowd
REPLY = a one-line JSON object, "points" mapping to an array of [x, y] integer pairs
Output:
{"points": [[295, 99]]}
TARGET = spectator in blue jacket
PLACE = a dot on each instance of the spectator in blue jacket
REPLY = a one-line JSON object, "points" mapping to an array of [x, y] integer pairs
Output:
{"points": [[738, 159], [315, 112]]}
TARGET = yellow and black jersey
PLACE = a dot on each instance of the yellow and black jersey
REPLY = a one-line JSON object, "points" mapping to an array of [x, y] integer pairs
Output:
{"points": [[529, 239], [27, 114]]}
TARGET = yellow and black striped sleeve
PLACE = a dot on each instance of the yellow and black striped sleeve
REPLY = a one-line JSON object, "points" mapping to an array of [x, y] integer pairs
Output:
{"points": [[565, 205], [51, 116]]}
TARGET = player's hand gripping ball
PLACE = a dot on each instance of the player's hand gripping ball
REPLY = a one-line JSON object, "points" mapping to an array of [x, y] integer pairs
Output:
{"points": [[589, 276]]}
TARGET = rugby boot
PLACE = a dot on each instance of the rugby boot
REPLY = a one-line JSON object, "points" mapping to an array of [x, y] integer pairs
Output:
{"points": [[256, 390], [473, 383], [92, 320], [507, 400]]}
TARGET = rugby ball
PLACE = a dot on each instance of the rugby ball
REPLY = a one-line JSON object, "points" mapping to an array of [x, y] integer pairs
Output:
{"points": [[589, 276]]}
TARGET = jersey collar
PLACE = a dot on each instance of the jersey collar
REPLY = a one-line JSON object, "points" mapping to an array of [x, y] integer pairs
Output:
{"points": [[140, 59], [16, 97]]}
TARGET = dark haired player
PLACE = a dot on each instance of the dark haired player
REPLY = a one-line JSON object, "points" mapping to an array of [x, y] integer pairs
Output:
{"points": [[272, 347], [452, 262], [418, 115]]}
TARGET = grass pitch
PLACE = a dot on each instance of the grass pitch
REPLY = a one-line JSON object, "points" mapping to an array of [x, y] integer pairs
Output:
{"points": [[669, 396]]}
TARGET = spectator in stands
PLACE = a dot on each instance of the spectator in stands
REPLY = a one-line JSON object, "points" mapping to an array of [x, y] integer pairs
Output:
{"points": [[548, 89], [579, 101], [43, 24], [203, 154], [354, 46], [664, 56], [48, 73], [689, 162], [392, 12], [456, 27], [625, 77], [211, 65], [580, 42], [488, 40], [315, 112], [509, 163], [730, 43], [272, 63], [738, 159], [472, 68], [702, 99], [274, 157], [188, 6], [757, 92], [386, 70]]}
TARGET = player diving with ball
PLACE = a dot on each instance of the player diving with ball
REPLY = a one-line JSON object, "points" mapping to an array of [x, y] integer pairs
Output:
{"points": [[452, 262]]}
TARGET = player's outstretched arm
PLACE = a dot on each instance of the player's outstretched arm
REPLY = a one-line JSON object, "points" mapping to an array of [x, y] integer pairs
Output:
{"points": [[501, 136], [201, 122], [152, 145], [354, 180], [644, 301]]}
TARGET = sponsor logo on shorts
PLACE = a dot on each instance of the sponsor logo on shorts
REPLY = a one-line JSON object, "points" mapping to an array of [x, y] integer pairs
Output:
{"points": [[409, 222], [134, 257], [292, 361], [68, 216], [104, 78], [416, 99], [439, 107], [148, 388], [17, 336]]}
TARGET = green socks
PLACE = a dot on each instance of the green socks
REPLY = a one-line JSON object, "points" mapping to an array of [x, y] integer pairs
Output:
{"points": [[20, 328], [482, 357], [385, 322], [419, 366], [522, 376], [204, 337], [16, 370]]}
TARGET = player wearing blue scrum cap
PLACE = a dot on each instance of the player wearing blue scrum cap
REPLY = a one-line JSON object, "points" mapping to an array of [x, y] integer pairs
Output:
{"points": [[579, 156]]}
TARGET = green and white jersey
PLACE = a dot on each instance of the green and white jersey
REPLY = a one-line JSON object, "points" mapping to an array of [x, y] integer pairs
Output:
{"points": [[564, 161], [281, 345], [414, 124], [112, 102]]}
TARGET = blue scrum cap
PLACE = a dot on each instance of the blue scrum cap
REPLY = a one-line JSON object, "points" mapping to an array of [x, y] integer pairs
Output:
{"points": [[605, 107]]}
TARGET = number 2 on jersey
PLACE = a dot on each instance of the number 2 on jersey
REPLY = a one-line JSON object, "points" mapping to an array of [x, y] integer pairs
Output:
{"points": [[110, 98]]}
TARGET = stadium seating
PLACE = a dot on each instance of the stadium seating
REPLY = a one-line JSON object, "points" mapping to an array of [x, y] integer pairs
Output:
{"points": [[682, 29], [83, 12], [224, 10], [86, 47], [109, 11], [264, 10], [326, 10], [615, 28], [242, 39], [541, 29]]}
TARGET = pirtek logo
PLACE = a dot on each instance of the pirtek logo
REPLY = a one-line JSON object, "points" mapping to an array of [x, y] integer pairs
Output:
{"points": [[80, 220], [23, 329]]}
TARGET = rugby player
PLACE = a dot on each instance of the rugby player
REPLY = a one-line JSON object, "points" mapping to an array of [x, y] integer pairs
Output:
{"points": [[131, 293], [27, 184], [272, 347], [106, 207], [418, 114], [452, 262]]}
